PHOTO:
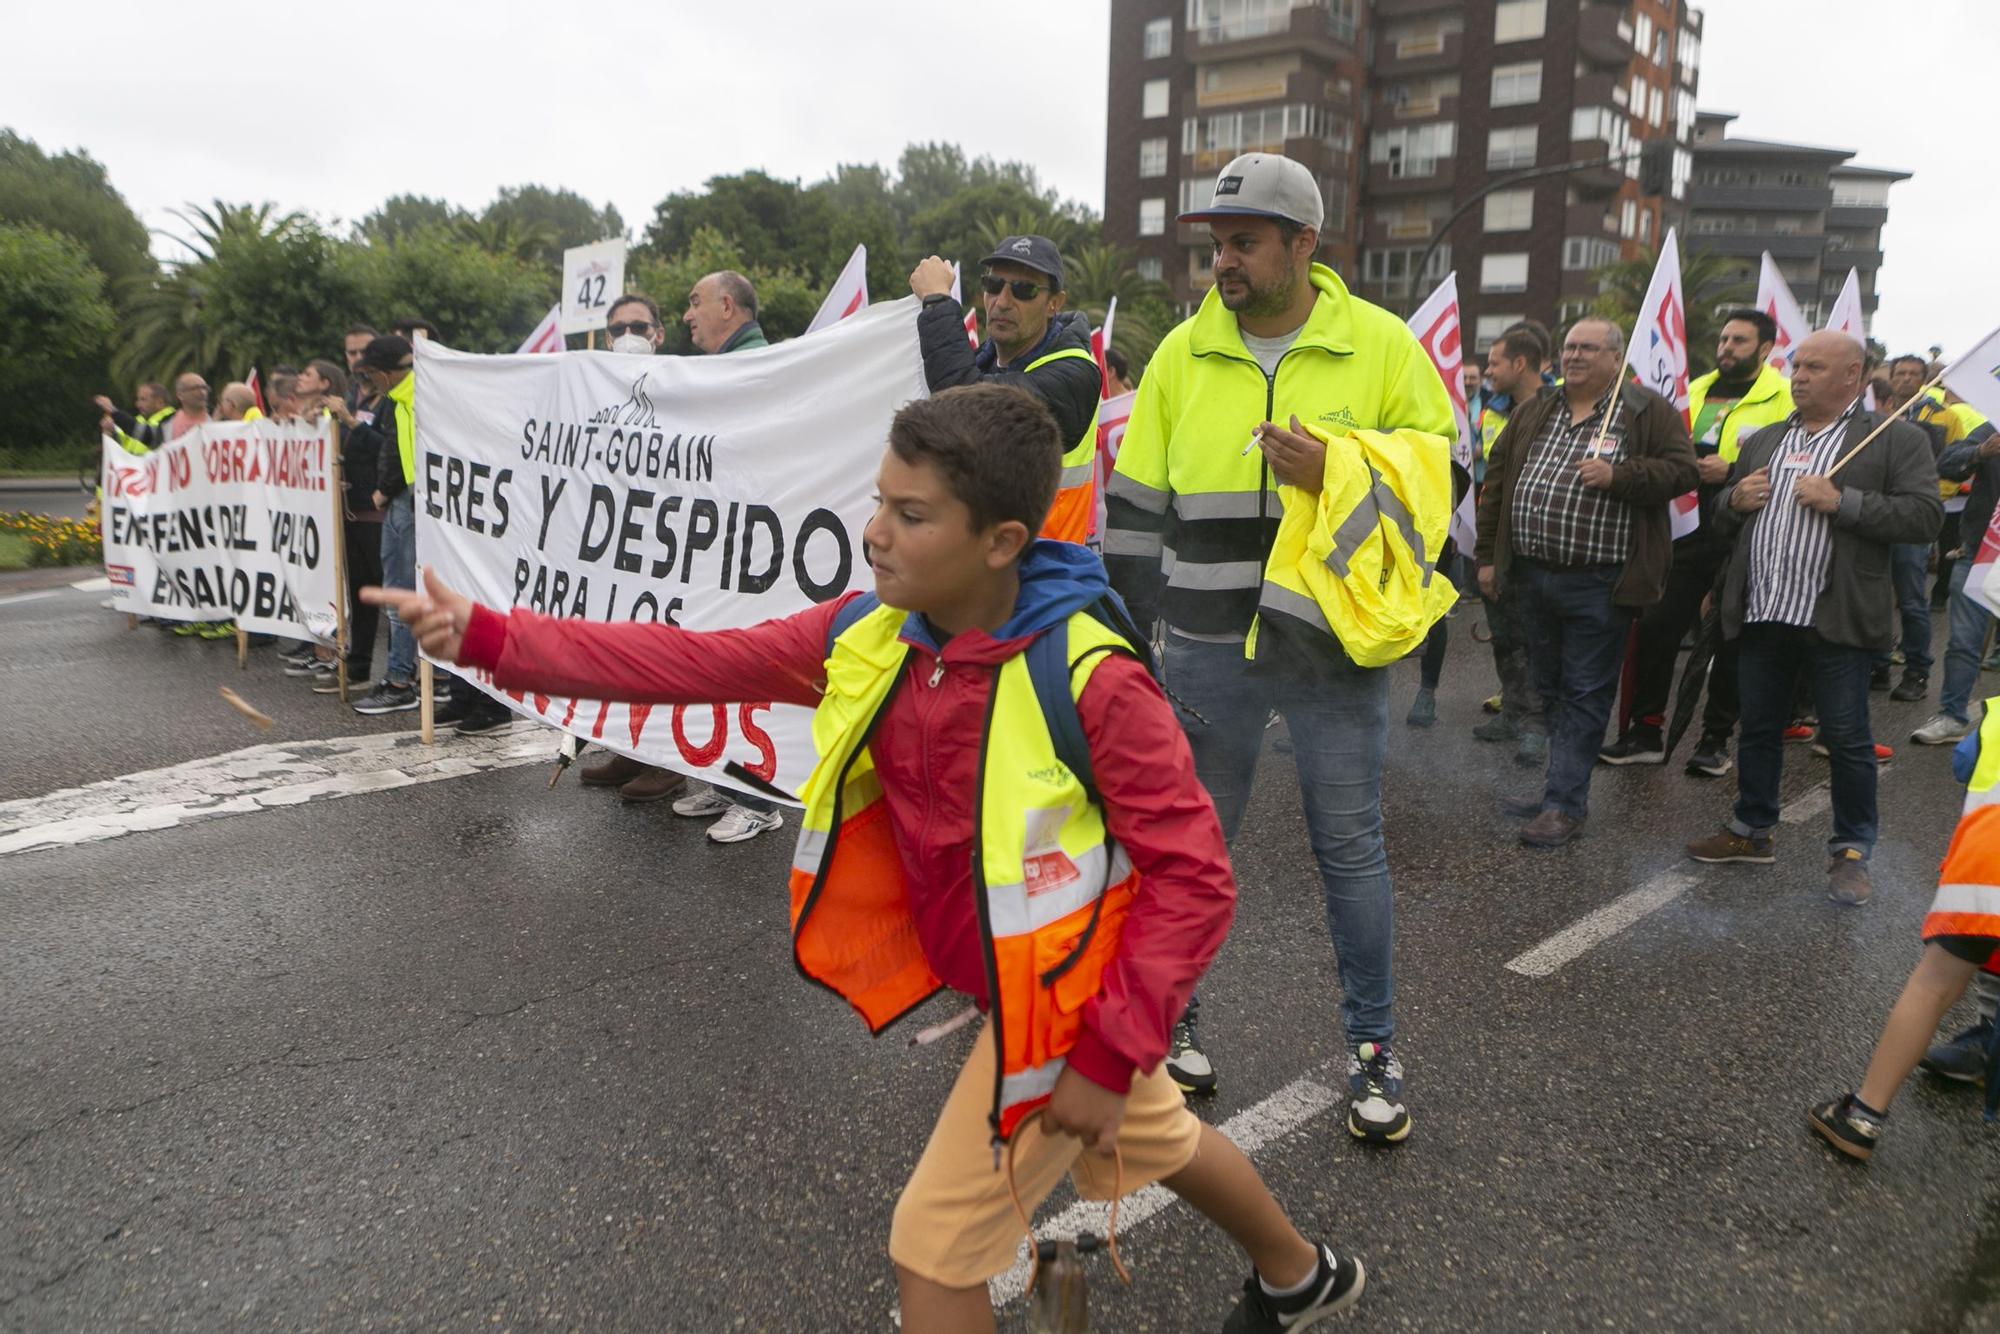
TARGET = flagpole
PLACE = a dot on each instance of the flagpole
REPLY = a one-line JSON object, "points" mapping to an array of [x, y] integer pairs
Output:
{"points": [[1611, 411], [1906, 405], [336, 484]]}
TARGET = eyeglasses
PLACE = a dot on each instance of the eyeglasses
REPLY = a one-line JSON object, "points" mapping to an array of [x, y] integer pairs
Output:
{"points": [[1583, 349], [644, 328], [1022, 289]]}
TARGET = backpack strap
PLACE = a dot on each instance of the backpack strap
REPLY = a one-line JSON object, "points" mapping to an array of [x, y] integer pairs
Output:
{"points": [[1049, 671], [848, 616]]}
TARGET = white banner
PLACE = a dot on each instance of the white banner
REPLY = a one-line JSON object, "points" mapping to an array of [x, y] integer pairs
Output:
{"points": [[1112, 415], [1436, 326], [707, 492], [1774, 298], [593, 278], [233, 521], [1975, 377]]}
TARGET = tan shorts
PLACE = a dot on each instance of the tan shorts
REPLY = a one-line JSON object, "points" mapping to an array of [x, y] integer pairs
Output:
{"points": [[955, 1223]]}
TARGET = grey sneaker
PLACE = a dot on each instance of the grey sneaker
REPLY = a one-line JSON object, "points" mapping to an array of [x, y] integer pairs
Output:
{"points": [[1711, 757], [1424, 711], [707, 801], [1532, 751], [1187, 1065], [1847, 879], [739, 824], [1497, 728], [1941, 729]]}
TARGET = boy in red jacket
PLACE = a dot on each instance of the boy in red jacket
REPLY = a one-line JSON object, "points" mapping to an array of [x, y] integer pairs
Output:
{"points": [[945, 845]]}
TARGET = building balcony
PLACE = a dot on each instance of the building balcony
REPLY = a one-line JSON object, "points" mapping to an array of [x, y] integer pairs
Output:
{"points": [[1604, 35], [1312, 28], [1856, 219], [1756, 198], [1752, 244], [1415, 55], [1398, 9], [1865, 260]]}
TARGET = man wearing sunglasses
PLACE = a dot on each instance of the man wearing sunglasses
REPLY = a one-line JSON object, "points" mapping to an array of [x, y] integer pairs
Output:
{"points": [[1031, 341], [634, 325]]}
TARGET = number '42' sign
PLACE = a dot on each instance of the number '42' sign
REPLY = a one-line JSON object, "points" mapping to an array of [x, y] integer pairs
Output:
{"points": [[593, 277]]}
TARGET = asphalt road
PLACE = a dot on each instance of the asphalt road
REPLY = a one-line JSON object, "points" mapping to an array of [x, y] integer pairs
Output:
{"points": [[64, 499], [472, 1053]]}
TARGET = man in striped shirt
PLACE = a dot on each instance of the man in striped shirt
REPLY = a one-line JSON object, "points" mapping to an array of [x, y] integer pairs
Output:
{"points": [[1808, 586]]}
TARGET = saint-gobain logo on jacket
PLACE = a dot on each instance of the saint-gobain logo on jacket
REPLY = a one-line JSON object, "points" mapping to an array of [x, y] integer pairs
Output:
{"points": [[1228, 185]]}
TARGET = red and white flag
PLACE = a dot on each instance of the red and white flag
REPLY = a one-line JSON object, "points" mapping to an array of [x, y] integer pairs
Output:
{"points": [[256, 389], [1100, 342], [1112, 414], [1657, 352], [1436, 326], [849, 294], [547, 336], [1846, 316], [971, 316], [1774, 298]]}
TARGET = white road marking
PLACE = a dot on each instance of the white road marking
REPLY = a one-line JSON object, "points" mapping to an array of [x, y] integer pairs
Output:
{"points": [[97, 585], [26, 597], [1594, 929], [259, 778]]}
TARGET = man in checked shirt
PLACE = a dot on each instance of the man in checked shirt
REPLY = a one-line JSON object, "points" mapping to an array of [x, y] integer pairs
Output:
{"points": [[1574, 522], [1808, 585]]}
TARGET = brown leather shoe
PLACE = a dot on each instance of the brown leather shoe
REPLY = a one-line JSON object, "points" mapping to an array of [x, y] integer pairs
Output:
{"points": [[612, 771], [652, 785], [1726, 845], [1550, 829]]}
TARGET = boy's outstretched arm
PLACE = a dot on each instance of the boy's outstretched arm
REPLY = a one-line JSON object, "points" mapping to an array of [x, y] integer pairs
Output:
{"points": [[781, 661]]}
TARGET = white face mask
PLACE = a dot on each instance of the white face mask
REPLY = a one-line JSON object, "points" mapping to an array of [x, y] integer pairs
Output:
{"points": [[638, 344]]}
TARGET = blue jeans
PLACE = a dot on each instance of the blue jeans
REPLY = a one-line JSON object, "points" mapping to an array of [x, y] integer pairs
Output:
{"points": [[1339, 729], [399, 570], [1767, 672], [1576, 643], [1968, 640], [1909, 565]]}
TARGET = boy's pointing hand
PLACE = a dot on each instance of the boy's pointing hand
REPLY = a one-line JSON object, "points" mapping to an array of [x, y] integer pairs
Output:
{"points": [[437, 617]]}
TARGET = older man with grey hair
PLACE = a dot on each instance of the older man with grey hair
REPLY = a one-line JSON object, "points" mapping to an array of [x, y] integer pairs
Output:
{"points": [[721, 314], [1573, 521], [1808, 588]]}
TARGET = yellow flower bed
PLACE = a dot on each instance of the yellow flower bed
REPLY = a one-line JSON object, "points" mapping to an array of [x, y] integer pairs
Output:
{"points": [[56, 541]]}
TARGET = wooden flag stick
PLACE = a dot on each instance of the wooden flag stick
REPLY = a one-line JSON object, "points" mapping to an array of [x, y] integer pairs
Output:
{"points": [[334, 480], [426, 706], [1907, 405], [1610, 411], [242, 650]]}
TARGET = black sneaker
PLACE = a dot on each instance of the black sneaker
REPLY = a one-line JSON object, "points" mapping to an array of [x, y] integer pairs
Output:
{"points": [[1878, 678], [1336, 1285], [1187, 1065], [1375, 1110], [388, 698], [1711, 757], [1641, 745], [302, 666], [328, 683], [444, 713], [1850, 1130], [1914, 686], [1963, 1056], [481, 721], [305, 653]]}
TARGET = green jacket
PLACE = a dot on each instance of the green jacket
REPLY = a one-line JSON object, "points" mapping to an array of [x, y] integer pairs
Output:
{"points": [[1190, 517], [750, 334]]}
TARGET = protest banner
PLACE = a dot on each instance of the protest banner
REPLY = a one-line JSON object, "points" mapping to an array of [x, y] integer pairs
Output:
{"points": [[1774, 298], [1436, 326], [233, 521], [593, 277], [703, 492], [1112, 415]]}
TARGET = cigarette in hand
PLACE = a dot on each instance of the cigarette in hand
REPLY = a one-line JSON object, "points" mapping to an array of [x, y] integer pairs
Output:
{"points": [[1256, 439]]}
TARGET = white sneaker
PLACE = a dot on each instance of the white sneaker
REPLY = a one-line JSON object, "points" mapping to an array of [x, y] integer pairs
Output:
{"points": [[1941, 730], [702, 802], [740, 824]]}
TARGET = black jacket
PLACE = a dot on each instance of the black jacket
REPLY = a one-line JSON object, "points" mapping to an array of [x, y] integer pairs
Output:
{"points": [[1962, 461], [1889, 494], [1071, 387]]}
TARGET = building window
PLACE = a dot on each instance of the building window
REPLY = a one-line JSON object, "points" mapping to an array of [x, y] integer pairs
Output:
{"points": [[1572, 310], [1210, 142], [1645, 224], [1517, 85], [1628, 219], [1584, 254], [1159, 38], [1153, 99], [1152, 157], [1510, 210], [1503, 273], [1490, 327], [1510, 148], [1613, 128], [1152, 217], [1642, 33], [1390, 269], [1520, 20], [1413, 150], [1656, 108], [1150, 268]]}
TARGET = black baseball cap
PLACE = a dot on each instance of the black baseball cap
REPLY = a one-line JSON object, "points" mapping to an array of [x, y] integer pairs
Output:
{"points": [[1036, 252], [386, 353]]}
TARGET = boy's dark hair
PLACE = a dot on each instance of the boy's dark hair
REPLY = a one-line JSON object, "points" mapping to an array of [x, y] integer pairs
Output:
{"points": [[1767, 328], [998, 447], [1522, 345], [639, 299]]}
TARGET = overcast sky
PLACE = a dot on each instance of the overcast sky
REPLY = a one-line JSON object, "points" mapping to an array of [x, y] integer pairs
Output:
{"points": [[333, 114]]}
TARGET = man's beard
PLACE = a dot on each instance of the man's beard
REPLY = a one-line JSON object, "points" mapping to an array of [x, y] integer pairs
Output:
{"points": [[1259, 302]]}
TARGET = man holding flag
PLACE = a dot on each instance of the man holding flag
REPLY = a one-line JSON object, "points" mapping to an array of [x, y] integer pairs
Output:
{"points": [[1976, 457]]}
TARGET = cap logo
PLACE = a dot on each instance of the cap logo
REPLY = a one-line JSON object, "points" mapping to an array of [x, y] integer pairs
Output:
{"points": [[1228, 185], [1022, 246]]}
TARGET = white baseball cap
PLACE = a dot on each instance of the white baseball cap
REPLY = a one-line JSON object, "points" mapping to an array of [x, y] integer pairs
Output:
{"points": [[1264, 185]]}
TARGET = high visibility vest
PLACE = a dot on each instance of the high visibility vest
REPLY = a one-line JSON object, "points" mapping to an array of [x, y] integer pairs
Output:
{"points": [[1053, 887], [1768, 402], [1076, 494], [1358, 562], [1968, 893], [404, 396], [1492, 421], [131, 446]]}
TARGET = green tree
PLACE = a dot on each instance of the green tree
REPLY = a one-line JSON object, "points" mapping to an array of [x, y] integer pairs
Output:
{"points": [[528, 242], [569, 219], [1095, 272], [71, 194], [55, 327], [405, 215], [786, 298], [479, 300], [1710, 285]]}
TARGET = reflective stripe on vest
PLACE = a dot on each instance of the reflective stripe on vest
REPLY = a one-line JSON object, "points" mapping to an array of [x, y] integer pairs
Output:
{"points": [[1052, 887], [1076, 492], [1968, 895]]}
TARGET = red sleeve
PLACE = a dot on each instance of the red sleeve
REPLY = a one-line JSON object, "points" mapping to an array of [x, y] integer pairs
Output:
{"points": [[1187, 893], [782, 660]]}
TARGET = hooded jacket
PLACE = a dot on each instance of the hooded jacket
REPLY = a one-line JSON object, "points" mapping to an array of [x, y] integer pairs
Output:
{"points": [[926, 753]]}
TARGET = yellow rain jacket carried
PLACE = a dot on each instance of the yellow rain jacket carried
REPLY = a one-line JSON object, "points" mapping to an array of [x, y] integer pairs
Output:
{"points": [[1356, 565]]}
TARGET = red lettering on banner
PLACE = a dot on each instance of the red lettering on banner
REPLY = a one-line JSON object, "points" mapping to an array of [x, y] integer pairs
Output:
{"points": [[711, 750], [766, 766], [541, 704], [636, 716], [569, 714], [597, 728]]}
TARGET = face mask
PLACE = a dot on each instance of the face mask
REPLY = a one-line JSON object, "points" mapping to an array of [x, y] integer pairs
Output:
{"points": [[638, 344]]}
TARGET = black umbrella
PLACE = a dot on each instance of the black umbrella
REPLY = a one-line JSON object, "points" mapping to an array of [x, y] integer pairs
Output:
{"points": [[1694, 677]]}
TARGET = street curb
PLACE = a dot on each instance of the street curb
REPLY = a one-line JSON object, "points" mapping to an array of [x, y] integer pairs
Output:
{"points": [[27, 581]]}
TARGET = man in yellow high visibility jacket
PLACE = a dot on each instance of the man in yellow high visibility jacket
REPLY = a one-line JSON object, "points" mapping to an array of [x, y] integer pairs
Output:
{"points": [[1191, 515], [140, 429]]}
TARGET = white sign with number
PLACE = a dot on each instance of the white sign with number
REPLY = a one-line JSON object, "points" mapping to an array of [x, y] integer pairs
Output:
{"points": [[593, 278]]}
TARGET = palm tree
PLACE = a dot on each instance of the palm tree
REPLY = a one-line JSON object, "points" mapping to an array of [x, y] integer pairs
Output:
{"points": [[164, 330], [532, 243], [1097, 271]]}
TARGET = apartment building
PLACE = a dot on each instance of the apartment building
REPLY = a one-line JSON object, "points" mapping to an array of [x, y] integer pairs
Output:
{"points": [[1408, 110]]}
